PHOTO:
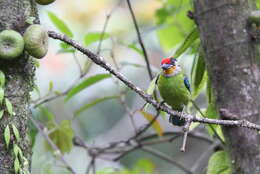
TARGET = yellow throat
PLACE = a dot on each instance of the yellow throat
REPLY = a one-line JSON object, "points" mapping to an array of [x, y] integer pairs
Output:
{"points": [[169, 70]]}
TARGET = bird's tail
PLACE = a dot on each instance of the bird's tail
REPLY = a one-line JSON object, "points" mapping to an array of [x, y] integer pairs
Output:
{"points": [[177, 120]]}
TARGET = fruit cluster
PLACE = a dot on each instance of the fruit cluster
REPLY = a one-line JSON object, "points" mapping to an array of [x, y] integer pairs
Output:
{"points": [[34, 42]]}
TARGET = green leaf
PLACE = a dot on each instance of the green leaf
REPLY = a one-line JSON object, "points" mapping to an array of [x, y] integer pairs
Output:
{"points": [[93, 103], [30, 20], [60, 24], [189, 40], [50, 86], [17, 151], [219, 163], [2, 79], [138, 50], [62, 136], [86, 83], [1, 114], [9, 106], [212, 113], [16, 132], [106, 171], [144, 166], [209, 92], [57, 93], [7, 136], [156, 125], [45, 115], [175, 25], [152, 86], [94, 37], [199, 75], [66, 48], [258, 4], [16, 165], [2, 95]]}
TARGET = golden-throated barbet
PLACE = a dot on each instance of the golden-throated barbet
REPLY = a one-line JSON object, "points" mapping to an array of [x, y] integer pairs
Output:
{"points": [[174, 88]]}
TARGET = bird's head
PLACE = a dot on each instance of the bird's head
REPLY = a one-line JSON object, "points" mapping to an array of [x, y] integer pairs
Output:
{"points": [[169, 66]]}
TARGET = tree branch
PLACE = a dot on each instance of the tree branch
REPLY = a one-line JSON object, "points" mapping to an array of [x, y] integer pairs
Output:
{"points": [[99, 61], [140, 39]]}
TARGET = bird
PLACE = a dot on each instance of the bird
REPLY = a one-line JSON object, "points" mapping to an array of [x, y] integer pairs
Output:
{"points": [[174, 88]]}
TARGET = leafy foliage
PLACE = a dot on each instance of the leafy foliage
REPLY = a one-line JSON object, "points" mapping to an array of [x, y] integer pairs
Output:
{"points": [[16, 132], [189, 40], [2, 79], [136, 49], [9, 106], [175, 23], [199, 75], [16, 165], [94, 37], [1, 114], [152, 86], [7, 136], [62, 135], [2, 94], [156, 125], [142, 166], [219, 163], [60, 24], [86, 83]]}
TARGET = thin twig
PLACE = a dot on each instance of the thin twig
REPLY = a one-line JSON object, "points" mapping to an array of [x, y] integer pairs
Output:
{"points": [[105, 26], [185, 131], [99, 61], [140, 39], [192, 134], [166, 158], [89, 167]]}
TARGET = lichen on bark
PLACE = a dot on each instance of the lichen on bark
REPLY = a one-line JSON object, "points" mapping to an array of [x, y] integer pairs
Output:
{"points": [[19, 80]]}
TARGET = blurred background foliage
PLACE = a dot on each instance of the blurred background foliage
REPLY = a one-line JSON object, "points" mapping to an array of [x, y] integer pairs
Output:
{"points": [[86, 101]]}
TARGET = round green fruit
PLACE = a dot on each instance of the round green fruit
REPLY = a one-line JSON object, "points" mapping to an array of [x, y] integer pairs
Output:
{"points": [[44, 2], [11, 44], [36, 41]]}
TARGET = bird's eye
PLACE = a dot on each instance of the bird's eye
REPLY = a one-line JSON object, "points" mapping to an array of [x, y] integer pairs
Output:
{"points": [[173, 61]]}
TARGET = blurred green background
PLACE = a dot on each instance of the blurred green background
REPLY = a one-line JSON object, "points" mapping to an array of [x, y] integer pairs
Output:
{"points": [[164, 26]]}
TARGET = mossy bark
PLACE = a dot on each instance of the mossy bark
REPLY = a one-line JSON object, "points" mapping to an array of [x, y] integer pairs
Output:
{"points": [[19, 81], [232, 67]]}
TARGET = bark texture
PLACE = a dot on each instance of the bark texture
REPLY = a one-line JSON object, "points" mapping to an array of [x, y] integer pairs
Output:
{"points": [[19, 81], [234, 74]]}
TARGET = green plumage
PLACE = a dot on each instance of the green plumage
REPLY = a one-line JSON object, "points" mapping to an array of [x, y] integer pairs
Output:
{"points": [[175, 93]]}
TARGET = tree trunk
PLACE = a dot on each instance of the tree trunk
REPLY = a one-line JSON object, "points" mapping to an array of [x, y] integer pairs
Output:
{"points": [[234, 74], [19, 82]]}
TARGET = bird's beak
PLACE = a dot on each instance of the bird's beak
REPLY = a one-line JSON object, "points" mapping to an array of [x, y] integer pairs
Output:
{"points": [[166, 66]]}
